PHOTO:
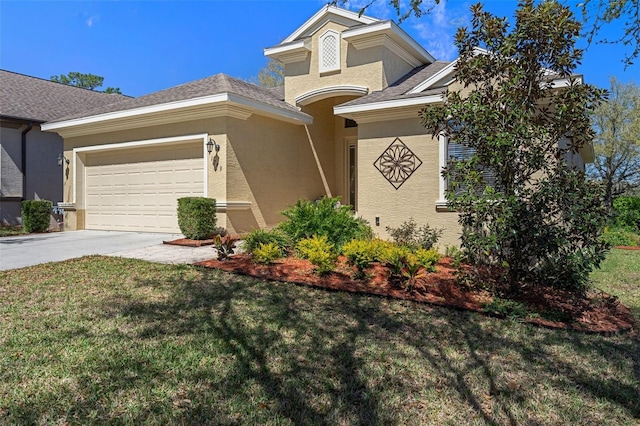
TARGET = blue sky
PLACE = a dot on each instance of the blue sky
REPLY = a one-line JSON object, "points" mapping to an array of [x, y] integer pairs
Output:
{"points": [[145, 46]]}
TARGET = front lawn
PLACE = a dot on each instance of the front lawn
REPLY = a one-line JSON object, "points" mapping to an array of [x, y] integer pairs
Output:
{"points": [[10, 231], [105, 340]]}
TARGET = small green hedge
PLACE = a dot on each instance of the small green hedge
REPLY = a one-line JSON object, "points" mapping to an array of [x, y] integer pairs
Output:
{"points": [[197, 217], [36, 215]]}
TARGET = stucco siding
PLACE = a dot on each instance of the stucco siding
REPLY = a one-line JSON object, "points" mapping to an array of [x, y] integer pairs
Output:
{"points": [[43, 175], [416, 197], [358, 67], [270, 164]]}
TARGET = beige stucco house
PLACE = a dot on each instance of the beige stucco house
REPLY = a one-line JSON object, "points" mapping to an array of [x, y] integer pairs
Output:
{"points": [[344, 124]]}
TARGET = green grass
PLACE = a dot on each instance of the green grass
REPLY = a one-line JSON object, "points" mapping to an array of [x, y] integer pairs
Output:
{"points": [[619, 275], [113, 341], [10, 231]]}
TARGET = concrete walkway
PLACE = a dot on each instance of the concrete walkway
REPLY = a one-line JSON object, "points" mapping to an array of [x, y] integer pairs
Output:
{"points": [[34, 249]]}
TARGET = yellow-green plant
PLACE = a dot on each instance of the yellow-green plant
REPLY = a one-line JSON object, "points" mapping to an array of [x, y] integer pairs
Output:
{"points": [[319, 251], [428, 258], [412, 270], [394, 258], [266, 253], [361, 254]]}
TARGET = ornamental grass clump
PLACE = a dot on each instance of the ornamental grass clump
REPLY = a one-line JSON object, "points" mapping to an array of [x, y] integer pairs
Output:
{"points": [[319, 251]]}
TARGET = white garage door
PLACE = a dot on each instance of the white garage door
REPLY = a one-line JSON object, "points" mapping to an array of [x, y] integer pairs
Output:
{"points": [[137, 189]]}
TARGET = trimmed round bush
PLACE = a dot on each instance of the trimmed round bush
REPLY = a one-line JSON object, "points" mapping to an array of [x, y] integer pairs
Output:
{"points": [[197, 217], [36, 215]]}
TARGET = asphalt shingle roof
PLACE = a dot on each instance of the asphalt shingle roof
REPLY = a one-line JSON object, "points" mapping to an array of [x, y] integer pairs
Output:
{"points": [[399, 89], [213, 85], [32, 98]]}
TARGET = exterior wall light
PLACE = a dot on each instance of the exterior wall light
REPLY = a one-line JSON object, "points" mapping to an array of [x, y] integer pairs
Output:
{"points": [[61, 159], [212, 144]]}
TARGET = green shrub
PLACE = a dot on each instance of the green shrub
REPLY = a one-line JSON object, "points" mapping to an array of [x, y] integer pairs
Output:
{"points": [[36, 215], [319, 251], [428, 258], [394, 257], [626, 213], [266, 253], [408, 234], [362, 253], [324, 217], [620, 237], [255, 238], [197, 217]]}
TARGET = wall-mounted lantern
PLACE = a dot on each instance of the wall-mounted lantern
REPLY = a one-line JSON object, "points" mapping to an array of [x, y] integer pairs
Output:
{"points": [[211, 145], [62, 159]]}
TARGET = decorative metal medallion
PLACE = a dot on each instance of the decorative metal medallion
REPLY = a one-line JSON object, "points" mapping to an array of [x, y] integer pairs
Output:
{"points": [[397, 163]]}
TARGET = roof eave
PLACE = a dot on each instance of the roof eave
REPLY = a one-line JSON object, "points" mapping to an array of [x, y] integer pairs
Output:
{"points": [[222, 104], [386, 110], [395, 33], [327, 10]]}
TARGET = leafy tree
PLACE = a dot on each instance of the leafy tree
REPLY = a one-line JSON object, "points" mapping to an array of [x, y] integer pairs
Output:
{"points": [[541, 218], [595, 12], [272, 75], [113, 90], [617, 142], [600, 12], [85, 81]]}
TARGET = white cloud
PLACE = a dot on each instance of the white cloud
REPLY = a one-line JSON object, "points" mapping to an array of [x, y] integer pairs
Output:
{"points": [[436, 29], [92, 20]]}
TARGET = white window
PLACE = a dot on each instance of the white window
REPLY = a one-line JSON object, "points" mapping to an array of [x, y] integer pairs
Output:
{"points": [[457, 152], [329, 51]]}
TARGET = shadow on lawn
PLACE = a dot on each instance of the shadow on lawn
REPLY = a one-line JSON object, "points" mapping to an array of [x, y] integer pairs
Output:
{"points": [[318, 357]]}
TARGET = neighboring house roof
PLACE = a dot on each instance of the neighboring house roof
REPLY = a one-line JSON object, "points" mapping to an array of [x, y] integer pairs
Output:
{"points": [[34, 99], [401, 88], [209, 86], [215, 96]]}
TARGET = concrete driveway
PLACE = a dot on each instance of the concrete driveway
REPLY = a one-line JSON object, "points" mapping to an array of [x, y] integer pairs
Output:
{"points": [[33, 249]]}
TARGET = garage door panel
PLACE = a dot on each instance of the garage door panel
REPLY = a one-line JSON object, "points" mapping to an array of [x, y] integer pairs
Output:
{"points": [[137, 190]]}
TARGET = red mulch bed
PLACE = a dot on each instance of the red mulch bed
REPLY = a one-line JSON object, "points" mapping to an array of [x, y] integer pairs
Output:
{"points": [[597, 313], [186, 242], [628, 247]]}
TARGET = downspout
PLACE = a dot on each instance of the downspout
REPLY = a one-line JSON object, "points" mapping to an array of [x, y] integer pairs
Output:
{"points": [[24, 160]]}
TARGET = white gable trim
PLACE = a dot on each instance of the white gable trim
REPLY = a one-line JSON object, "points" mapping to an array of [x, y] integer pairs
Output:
{"points": [[386, 110], [233, 105], [365, 36], [327, 10], [396, 103], [445, 73], [329, 92], [290, 53]]}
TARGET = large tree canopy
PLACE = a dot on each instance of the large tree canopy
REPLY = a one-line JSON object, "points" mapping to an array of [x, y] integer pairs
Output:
{"points": [[85, 81], [595, 13], [538, 216], [617, 142]]}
